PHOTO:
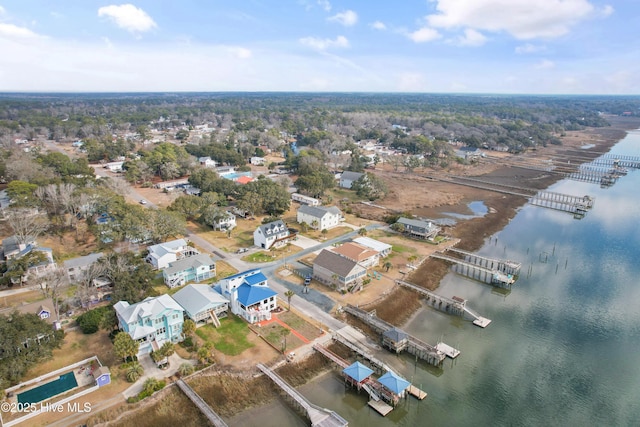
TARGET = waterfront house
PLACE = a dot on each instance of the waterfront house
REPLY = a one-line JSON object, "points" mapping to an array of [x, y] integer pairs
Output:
{"points": [[360, 254], [419, 228], [272, 234], [75, 267], [348, 178], [202, 304], [249, 295], [191, 269], [383, 249], [162, 254], [319, 217], [333, 269], [151, 322]]}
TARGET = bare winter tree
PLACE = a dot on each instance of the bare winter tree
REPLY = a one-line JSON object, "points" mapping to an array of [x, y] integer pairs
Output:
{"points": [[52, 285], [26, 224], [86, 286]]}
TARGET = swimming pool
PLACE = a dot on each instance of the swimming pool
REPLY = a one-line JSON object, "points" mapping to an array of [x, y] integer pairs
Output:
{"points": [[45, 391]]}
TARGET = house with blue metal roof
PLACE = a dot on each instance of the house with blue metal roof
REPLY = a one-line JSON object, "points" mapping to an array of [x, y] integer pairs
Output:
{"points": [[249, 295], [394, 387], [357, 373]]}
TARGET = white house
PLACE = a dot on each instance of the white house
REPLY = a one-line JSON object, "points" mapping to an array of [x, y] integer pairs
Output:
{"points": [[319, 217], [384, 249], [348, 178], [249, 295], [195, 268], [226, 222], [207, 162], [273, 234], [360, 254], [257, 161], [305, 200], [162, 254], [114, 166]]}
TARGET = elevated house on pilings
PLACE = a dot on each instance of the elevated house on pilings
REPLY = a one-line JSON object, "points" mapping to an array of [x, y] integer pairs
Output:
{"points": [[393, 388], [357, 374], [395, 339]]}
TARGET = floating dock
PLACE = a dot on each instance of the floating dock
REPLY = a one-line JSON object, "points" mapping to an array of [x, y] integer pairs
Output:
{"points": [[451, 352], [416, 392], [380, 407]]}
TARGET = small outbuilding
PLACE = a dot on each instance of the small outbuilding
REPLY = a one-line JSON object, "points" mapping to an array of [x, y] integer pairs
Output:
{"points": [[102, 376]]}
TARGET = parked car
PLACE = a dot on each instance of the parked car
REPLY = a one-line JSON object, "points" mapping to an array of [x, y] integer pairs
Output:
{"points": [[143, 202], [307, 281], [242, 250]]}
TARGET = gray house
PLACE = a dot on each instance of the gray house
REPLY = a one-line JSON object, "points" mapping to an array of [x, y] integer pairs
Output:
{"points": [[319, 217], [347, 178], [419, 228], [76, 266], [202, 304], [331, 268]]}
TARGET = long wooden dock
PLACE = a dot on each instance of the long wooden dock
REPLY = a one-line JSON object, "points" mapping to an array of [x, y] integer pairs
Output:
{"points": [[201, 404], [477, 272], [319, 417], [455, 305], [412, 345]]}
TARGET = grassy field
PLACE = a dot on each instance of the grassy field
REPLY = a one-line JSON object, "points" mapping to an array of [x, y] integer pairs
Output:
{"points": [[241, 236], [17, 299], [334, 232], [230, 338], [302, 326], [273, 333]]}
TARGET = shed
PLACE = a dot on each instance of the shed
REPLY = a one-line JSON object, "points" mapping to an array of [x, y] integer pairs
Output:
{"points": [[395, 339], [395, 384], [102, 376]]}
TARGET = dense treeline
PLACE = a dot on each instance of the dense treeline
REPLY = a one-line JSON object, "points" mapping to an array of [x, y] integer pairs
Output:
{"points": [[515, 121]]}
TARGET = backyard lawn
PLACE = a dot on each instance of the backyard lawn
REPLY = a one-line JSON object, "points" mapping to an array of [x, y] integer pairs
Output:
{"points": [[274, 334], [302, 326], [230, 338]]}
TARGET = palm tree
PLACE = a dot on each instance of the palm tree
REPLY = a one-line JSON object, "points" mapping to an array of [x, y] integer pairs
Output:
{"points": [[284, 334], [134, 372], [150, 385], [387, 265], [289, 294], [188, 327], [185, 369]]}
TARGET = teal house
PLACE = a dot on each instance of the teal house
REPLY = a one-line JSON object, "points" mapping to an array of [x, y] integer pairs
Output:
{"points": [[192, 269], [151, 322]]}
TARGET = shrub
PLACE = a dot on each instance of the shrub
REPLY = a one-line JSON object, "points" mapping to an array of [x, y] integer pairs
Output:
{"points": [[90, 321]]}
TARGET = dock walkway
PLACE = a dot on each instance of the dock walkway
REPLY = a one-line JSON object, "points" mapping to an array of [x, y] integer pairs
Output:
{"points": [[201, 404], [319, 417]]}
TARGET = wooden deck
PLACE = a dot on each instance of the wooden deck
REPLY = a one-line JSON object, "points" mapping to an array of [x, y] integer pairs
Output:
{"points": [[206, 410], [381, 407], [416, 392]]}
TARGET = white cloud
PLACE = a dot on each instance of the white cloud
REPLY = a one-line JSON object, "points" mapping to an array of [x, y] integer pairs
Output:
{"points": [[424, 34], [472, 37], [240, 52], [347, 18], [529, 48], [2, 10], [324, 44], [325, 5], [378, 25], [13, 31], [545, 64], [128, 17], [607, 10], [523, 19]]}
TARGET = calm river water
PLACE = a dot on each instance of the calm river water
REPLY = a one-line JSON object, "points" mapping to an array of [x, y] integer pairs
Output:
{"points": [[564, 345]]}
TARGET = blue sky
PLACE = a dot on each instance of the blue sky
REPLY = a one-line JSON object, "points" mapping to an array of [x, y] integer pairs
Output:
{"points": [[475, 46]]}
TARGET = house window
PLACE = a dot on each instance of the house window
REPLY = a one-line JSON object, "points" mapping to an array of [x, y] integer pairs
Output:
{"points": [[161, 331], [158, 320], [175, 316], [271, 299]]}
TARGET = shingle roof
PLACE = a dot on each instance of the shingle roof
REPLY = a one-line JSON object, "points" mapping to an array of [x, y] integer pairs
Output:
{"points": [[416, 223], [335, 263], [319, 211], [249, 295], [357, 371], [395, 334], [82, 261], [394, 383], [196, 298], [189, 262], [167, 247], [273, 227], [355, 251], [351, 176]]}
